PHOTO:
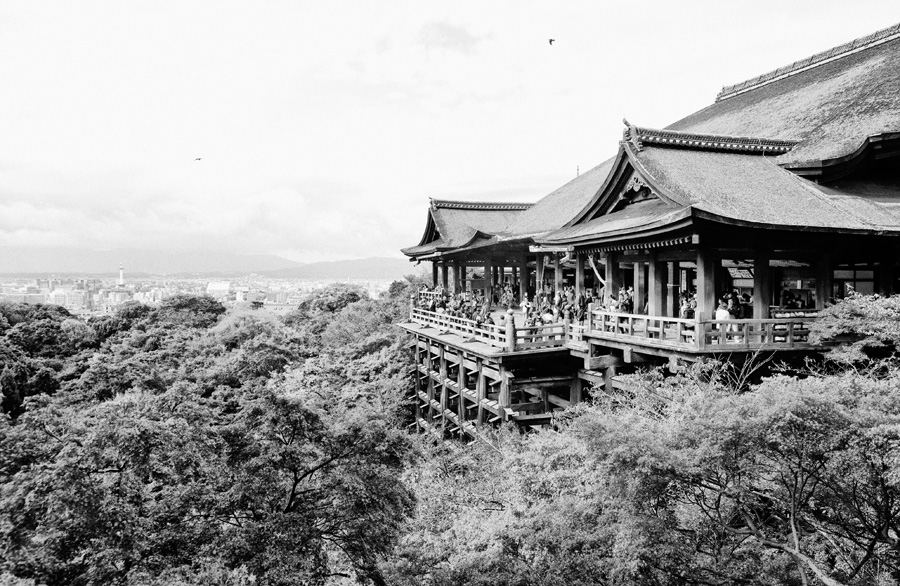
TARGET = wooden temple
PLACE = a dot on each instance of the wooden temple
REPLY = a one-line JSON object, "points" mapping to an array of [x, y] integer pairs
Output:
{"points": [[781, 196]]}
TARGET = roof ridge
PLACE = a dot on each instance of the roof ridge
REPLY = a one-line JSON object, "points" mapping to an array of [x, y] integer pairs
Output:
{"points": [[877, 38], [479, 205], [714, 142]]}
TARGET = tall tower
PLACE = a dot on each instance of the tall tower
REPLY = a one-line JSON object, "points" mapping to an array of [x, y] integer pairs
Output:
{"points": [[121, 276]]}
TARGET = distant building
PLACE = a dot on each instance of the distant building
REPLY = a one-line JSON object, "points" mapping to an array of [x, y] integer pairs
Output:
{"points": [[219, 289]]}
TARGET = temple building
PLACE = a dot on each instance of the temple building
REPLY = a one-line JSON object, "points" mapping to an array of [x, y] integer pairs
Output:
{"points": [[721, 235]]}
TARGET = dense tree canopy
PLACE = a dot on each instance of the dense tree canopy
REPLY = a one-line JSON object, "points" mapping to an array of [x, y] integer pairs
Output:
{"points": [[186, 444]]}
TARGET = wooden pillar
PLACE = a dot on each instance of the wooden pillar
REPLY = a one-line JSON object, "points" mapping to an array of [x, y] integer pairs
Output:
{"points": [[462, 276], [557, 275], [510, 331], [444, 282], [418, 381], [673, 302], [613, 276], [657, 287], [429, 367], [434, 273], [576, 389], [503, 399], [539, 273], [886, 275], [488, 277], [461, 387], [579, 274], [824, 281], [480, 390], [523, 278], [762, 284], [608, 375], [443, 378], [640, 287], [706, 284]]}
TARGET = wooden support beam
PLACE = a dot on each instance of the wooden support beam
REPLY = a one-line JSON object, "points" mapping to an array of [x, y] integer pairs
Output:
{"points": [[579, 274], [504, 399], [706, 284], [601, 362], [445, 283], [614, 277], [629, 356], [591, 376], [673, 289], [824, 281], [418, 381], [557, 275], [523, 277], [480, 392], [640, 287], [461, 386], [762, 284], [575, 390], [886, 275], [434, 273], [539, 273], [429, 365], [444, 390], [657, 276], [608, 375]]}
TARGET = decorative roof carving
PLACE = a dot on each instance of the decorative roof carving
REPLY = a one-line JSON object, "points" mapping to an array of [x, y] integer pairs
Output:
{"points": [[860, 44], [743, 144], [479, 205]]}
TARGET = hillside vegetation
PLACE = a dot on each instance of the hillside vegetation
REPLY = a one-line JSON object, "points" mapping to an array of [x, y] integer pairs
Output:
{"points": [[187, 444]]}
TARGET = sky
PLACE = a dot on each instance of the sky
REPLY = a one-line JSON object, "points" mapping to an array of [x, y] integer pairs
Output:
{"points": [[322, 128]]}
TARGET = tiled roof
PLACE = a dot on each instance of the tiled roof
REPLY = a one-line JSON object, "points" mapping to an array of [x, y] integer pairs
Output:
{"points": [[817, 111], [854, 46], [706, 142], [457, 223], [830, 108], [637, 216], [559, 207]]}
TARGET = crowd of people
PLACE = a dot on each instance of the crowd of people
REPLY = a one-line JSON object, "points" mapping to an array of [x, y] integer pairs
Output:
{"points": [[549, 306], [543, 307]]}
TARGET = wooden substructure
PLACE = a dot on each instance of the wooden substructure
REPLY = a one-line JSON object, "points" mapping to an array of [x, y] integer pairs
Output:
{"points": [[460, 386]]}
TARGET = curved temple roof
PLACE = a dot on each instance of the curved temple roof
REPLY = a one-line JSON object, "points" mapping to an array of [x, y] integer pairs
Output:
{"points": [[737, 160], [456, 224]]}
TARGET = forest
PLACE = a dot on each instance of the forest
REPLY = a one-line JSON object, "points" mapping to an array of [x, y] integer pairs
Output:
{"points": [[187, 444]]}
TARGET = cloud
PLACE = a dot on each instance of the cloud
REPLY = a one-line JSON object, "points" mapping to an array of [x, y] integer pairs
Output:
{"points": [[448, 36]]}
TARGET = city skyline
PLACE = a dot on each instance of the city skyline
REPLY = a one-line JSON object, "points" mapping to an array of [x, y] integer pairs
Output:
{"points": [[295, 131]]}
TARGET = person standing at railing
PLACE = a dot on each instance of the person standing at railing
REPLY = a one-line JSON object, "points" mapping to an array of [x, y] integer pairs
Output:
{"points": [[526, 308], [722, 315]]}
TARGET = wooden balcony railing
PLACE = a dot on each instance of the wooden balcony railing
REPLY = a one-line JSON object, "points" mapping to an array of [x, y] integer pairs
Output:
{"points": [[426, 297], [507, 336], [789, 332]]}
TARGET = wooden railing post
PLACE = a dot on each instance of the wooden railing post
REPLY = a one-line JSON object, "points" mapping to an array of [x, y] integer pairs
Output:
{"points": [[510, 331], [699, 333], [412, 305], [590, 317]]}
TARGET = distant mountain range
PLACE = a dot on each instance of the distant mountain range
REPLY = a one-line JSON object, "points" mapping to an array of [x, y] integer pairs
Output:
{"points": [[366, 268], [75, 261]]}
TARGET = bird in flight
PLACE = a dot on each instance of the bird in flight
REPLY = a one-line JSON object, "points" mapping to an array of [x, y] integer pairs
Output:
{"points": [[198, 158], [551, 41]]}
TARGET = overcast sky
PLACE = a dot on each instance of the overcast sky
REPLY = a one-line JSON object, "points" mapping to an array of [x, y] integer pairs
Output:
{"points": [[323, 127]]}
